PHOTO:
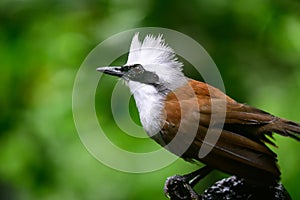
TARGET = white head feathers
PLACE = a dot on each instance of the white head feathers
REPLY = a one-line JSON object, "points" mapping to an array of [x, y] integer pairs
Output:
{"points": [[153, 50], [156, 56]]}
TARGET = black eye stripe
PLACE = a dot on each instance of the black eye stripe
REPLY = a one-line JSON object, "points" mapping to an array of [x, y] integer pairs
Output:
{"points": [[126, 68]]}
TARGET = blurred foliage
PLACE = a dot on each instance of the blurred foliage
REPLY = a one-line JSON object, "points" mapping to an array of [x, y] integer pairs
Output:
{"points": [[255, 44]]}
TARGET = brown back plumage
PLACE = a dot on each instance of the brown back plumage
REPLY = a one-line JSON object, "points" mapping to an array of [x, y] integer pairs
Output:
{"points": [[241, 148]]}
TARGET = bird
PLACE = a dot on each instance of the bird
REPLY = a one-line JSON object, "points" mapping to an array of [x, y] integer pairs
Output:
{"points": [[173, 107]]}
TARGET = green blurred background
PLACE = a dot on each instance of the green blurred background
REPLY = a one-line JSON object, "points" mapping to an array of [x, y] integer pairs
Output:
{"points": [[255, 44]]}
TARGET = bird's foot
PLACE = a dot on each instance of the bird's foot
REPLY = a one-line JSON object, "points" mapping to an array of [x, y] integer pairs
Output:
{"points": [[181, 187], [178, 187]]}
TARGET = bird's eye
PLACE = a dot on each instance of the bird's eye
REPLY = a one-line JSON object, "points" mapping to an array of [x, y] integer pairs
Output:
{"points": [[138, 66], [127, 68]]}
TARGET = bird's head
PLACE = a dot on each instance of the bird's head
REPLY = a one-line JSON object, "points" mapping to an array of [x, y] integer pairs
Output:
{"points": [[150, 63]]}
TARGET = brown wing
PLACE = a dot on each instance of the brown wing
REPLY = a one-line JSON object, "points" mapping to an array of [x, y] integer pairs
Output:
{"points": [[240, 149]]}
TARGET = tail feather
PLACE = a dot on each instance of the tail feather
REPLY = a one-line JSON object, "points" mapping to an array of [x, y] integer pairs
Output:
{"points": [[287, 128]]}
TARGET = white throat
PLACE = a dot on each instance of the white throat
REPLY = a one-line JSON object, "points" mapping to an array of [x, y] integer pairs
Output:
{"points": [[150, 105]]}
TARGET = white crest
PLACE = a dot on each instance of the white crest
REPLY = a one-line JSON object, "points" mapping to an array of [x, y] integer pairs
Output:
{"points": [[156, 56], [153, 50]]}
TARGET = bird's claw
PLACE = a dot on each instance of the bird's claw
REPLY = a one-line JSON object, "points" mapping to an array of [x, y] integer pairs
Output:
{"points": [[178, 188]]}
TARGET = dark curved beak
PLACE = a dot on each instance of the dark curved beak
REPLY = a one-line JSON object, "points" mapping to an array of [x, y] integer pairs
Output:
{"points": [[112, 70]]}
